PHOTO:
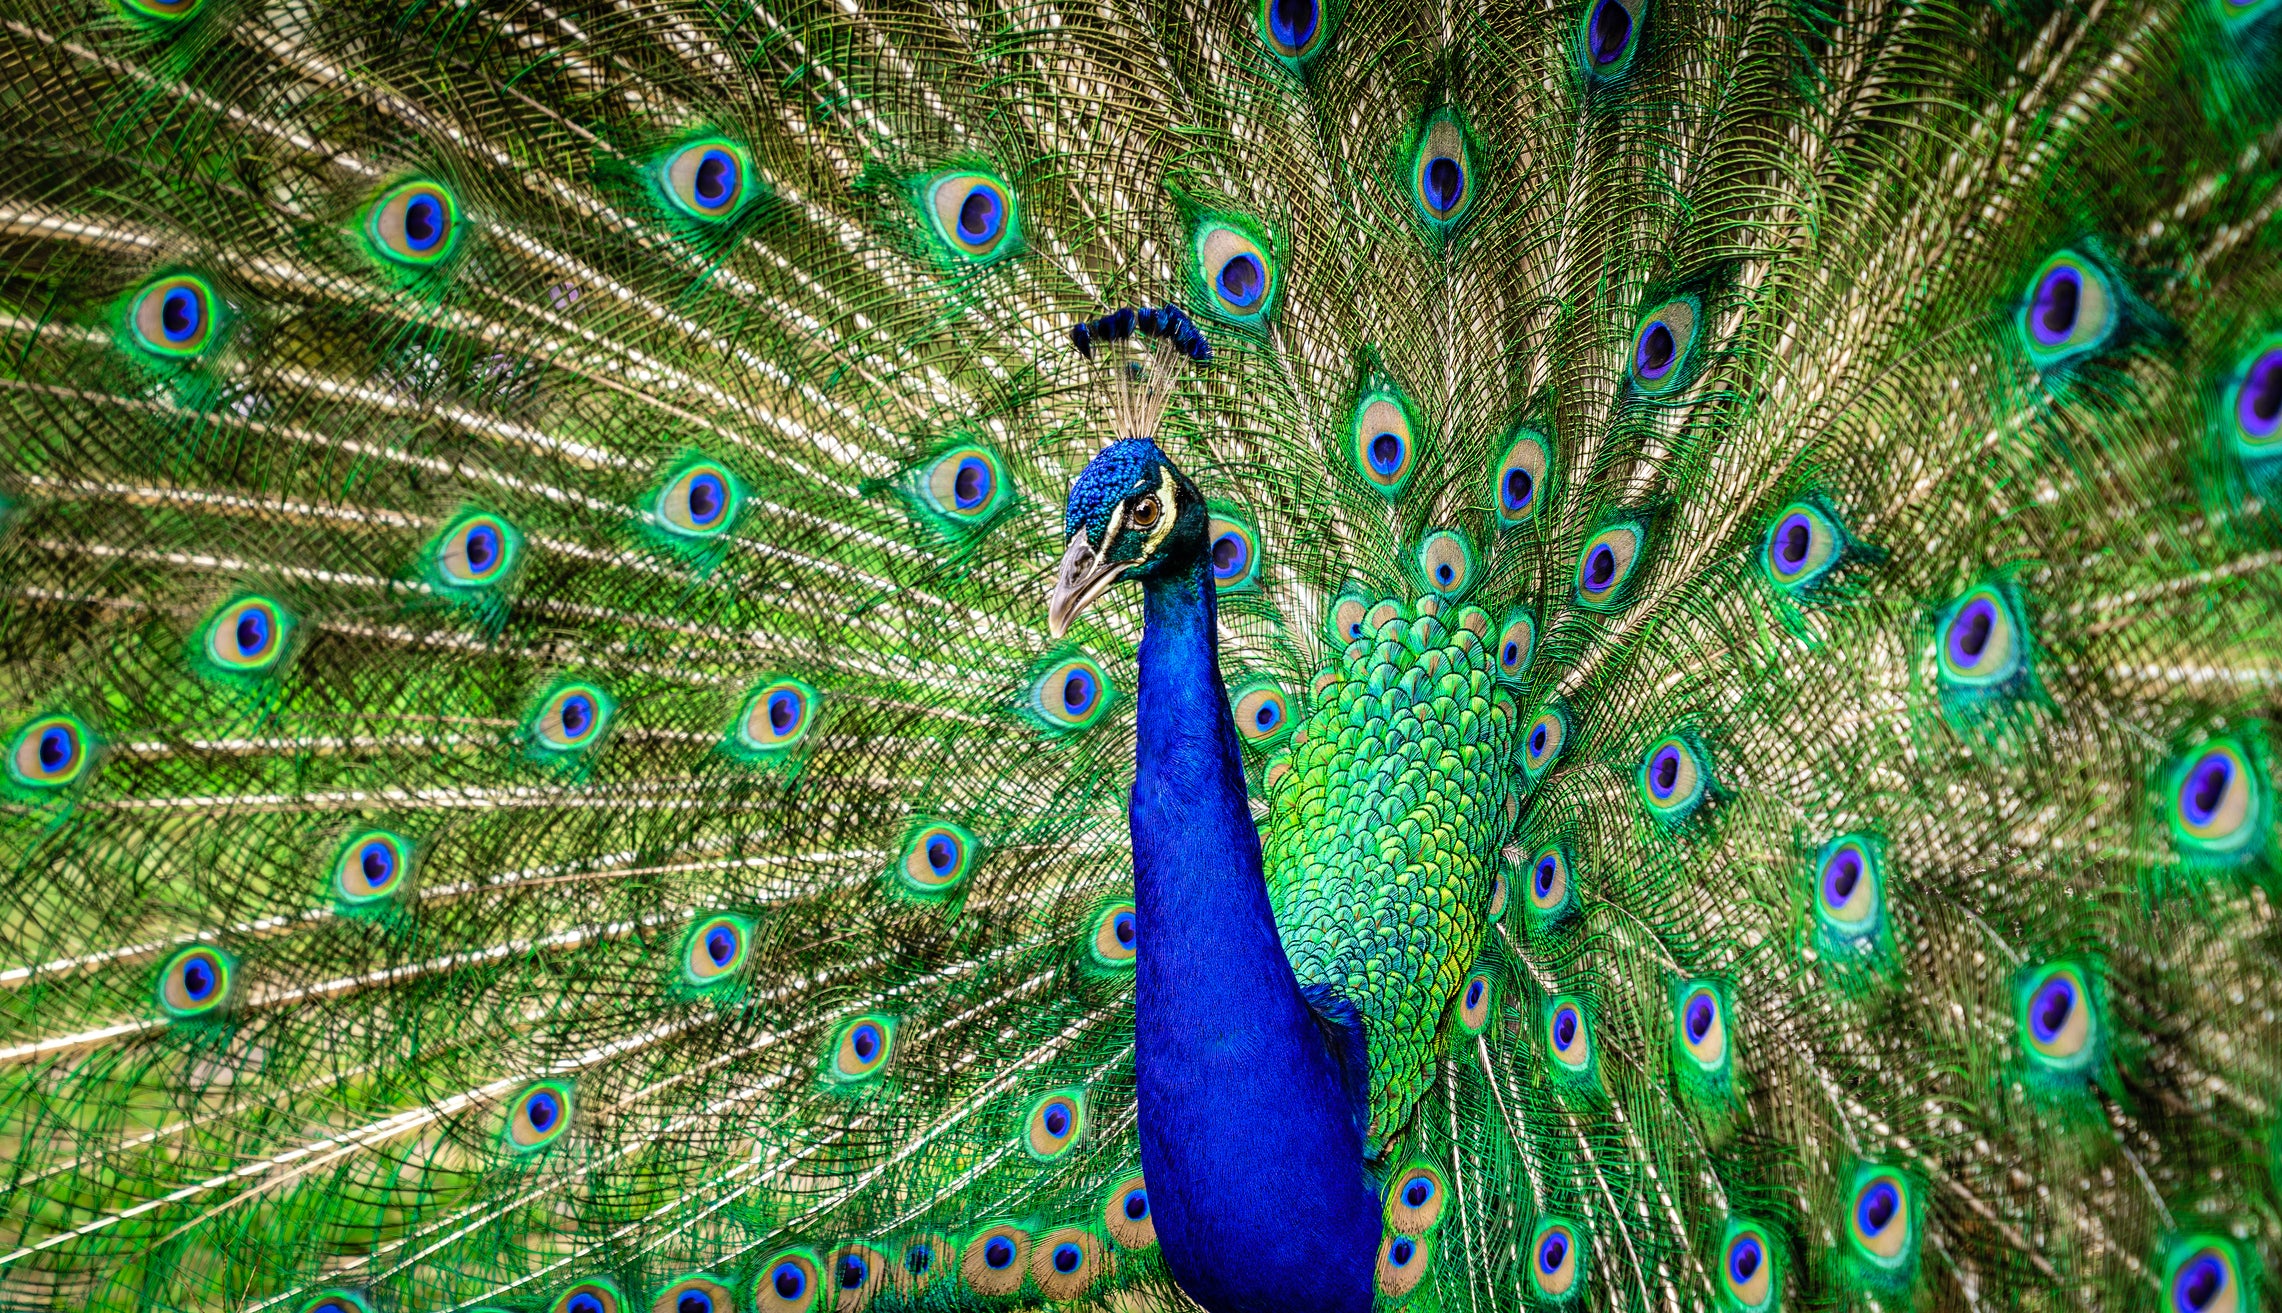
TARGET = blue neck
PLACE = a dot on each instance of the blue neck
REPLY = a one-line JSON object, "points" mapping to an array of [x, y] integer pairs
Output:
{"points": [[1250, 1136]]}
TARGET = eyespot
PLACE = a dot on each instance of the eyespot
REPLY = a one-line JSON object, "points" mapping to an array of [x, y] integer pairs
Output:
{"points": [[476, 551], [858, 1271], [1236, 270], [966, 484], [1294, 29], [1802, 547], [1747, 1269], [1125, 1214], [1498, 895], [49, 753], [778, 715], [860, 1050], [1072, 694], [791, 1283], [1553, 1259], [166, 10], [1382, 445], [2254, 402], [2070, 310], [1568, 1036], [715, 950], [1234, 548], [1606, 40], [571, 719], [174, 316], [594, 1295], [700, 501], [539, 1115], [1879, 1217], [1347, 619], [1403, 1261], [1541, 742], [1263, 715], [938, 858], [1660, 345], [2056, 1016], [248, 635], [414, 224], [2204, 1278], [373, 865], [707, 179], [1065, 1262], [974, 213], [1442, 177], [1549, 881], [1414, 1200], [1702, 1026], [1446, 562], [1116, 935], [1981, 645], [2216, 801], [1517, 485], [1517, 643], [1055, 1124], [925, 1257], [1474, 1003], [195, 981], [1847, 887], [1673, 778], [995, 1259], [1606, 564], [697, 1293], [336, 1301]]}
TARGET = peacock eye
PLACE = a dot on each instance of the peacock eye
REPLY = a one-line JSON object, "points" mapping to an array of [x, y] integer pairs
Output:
{"points": [[1125, 1214], [539, 1115], [2070, 310], [1555, 1268], [1146, 513], [1660, 347], [1237, 272], [571, 719], [1441, 182], [974, 212], [414, 224], [1055, 1125], [174, 316], [475, 552], [1980, 641], [706, 179]]}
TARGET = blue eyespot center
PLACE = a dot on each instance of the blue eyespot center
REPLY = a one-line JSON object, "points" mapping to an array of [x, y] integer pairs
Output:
{"points": [[1518, 488], [1230, 555], [1136, 1204], [1552, 1252], [1699, 1019], [1077, 692], [1611, 32], [197, 979], [1386, 453], [790, 1282], [252, 632], [2259, 409], [973, 484], [1268, 715], [980, 215], [1445, 184], [583, 1303], [1292, 22], [1402, 1251], [1057, 1120], [1654, 355], [864, 1041], [1067, 1258], [1969, 632], [1125, 928], [998, 1252], [694, 1301], [58, 745], [482, 548], [1880, 1203], [542, 1110], [2206, 788], [180, 315], [1664, 772], [578, 715], [784, 710], [942, 854], [1600, 568], [378, 862], [2199, 1284], [917, 1259], [721, 945], [1473, 999], [1547, 868], [1743, 1259], [2052, 315], [716, 178], [1792, 538], [854, 1271], [707, 498], [2049, 1011], [1565, 1027], [423, 223], [1537, 739], [1840, 876], [1242, 281]]}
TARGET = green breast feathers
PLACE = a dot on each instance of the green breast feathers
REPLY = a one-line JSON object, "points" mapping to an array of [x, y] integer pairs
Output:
{"points": [[1386, 816]]}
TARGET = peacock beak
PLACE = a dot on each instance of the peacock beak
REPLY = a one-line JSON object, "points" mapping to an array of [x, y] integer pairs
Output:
{"points": [[1085, 576]]}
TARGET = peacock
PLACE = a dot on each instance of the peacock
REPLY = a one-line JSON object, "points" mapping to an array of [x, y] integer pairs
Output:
{"points": [[799, 656]]}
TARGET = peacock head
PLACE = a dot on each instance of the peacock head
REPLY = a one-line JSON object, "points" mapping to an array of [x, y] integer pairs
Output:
{"points": [[1131, 515]]}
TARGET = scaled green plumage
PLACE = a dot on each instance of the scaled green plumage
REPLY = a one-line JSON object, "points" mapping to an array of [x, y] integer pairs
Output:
{"points": [[1917, 367]]}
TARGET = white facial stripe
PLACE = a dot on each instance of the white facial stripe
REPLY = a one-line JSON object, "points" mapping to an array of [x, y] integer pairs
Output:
{"points": [[1164, 516]]}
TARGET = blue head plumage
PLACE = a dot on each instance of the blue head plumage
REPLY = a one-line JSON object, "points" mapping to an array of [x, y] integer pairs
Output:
{"points": [[1131, 515]]}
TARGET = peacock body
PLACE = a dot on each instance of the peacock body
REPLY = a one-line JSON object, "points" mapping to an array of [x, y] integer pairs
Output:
{"points": [[1697, 732]]}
